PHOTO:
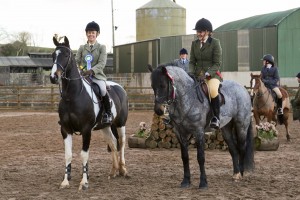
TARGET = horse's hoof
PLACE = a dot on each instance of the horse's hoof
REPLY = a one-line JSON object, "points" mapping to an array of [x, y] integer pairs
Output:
{"points": [[185, 184], [83, 187], [202, 187], [64, 186], [123, 172], [111, 176], [237, 177]]}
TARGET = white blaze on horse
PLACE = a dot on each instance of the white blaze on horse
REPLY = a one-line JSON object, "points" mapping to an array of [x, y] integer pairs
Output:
{"points": [[80, 112], [264, 104], [190, 114]]}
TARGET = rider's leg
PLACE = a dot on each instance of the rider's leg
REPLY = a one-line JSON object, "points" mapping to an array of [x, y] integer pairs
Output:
{"points": [[107, 117], [279, 101], [213, 85]]}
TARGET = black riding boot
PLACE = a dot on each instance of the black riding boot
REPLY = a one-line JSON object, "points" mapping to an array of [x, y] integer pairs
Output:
{"points": [[279, 107], [107, 116], [215, 121]]}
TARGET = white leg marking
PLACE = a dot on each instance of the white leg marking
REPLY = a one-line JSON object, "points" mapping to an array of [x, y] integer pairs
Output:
{"points": [[122, 141], [84, 180], [68, 159]]}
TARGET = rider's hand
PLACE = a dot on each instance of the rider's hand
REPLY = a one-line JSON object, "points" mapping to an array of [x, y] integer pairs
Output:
{"points": [[207, 74], [88, 73]]}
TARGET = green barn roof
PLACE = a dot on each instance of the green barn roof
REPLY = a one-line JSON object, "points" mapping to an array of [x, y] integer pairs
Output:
{"points": [[258, 21]]}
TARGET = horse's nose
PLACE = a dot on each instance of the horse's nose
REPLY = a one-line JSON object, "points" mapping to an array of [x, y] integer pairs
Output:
{"points": [[158, 109], [54, 79]]}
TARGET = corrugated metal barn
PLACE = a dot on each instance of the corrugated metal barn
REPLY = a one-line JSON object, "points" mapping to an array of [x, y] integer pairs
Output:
{"points": [[245, 41]]}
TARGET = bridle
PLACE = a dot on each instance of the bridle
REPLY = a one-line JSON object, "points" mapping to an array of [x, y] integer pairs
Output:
{"points": [[172, 98], [260, 95], [64, 70]]}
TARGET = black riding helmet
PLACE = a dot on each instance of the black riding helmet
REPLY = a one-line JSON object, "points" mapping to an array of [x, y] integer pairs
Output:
{"points": [[203, 25], [92, 26], [269, 58]]}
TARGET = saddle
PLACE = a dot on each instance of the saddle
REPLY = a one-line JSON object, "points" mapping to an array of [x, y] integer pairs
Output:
{"points": [[98, 94], [202, 85], [274, 96]]}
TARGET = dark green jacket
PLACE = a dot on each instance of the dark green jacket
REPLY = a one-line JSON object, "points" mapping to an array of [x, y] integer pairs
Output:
{"points": [[99, 58], [207, 59]]}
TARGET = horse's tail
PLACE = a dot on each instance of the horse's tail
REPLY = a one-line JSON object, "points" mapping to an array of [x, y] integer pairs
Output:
{"points": [[115, 132], [249, 153]]}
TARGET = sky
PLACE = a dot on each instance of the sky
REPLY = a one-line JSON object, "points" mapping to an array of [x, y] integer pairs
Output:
{"points": [[44, 18]]}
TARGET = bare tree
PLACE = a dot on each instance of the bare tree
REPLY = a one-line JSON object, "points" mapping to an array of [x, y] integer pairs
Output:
{"points": [[3, 35]]}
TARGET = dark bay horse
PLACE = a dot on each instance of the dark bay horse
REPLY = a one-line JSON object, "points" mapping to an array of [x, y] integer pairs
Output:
{"points": [[190, 114], [78, 111], [264, 104]]}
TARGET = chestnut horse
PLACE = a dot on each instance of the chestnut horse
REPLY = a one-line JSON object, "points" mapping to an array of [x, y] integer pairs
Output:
{"points": [[265, 105]]}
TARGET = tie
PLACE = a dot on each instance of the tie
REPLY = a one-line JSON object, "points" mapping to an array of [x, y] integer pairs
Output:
{"points": [[202, 44], [91, 47]]}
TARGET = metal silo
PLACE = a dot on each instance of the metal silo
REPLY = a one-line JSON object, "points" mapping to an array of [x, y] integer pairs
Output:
{"points": [[160, 18]]}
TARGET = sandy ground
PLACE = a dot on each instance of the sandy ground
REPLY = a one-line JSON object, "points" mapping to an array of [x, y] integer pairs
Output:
{"points": [[32, 166]]}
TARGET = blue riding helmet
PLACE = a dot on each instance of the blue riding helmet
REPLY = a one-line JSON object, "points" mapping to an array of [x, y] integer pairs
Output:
{"points": [[183, 51]]}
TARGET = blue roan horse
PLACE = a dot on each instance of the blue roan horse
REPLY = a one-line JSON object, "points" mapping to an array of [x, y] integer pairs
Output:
{"points": [[189, 111], [78, 111]]}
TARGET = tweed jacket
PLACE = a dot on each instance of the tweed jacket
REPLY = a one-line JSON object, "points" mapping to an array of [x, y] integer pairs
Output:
{"points": [[207, 58], [270, 77], [185, 66], [99, 59]]}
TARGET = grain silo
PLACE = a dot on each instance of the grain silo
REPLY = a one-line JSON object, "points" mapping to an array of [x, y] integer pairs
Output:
{"points": [[159, 18]]}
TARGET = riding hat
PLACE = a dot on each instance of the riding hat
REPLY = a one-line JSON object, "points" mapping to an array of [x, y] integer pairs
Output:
{"points": [[92, 26], [269, 58], [298, 75], [183, 51], [203, 25]]}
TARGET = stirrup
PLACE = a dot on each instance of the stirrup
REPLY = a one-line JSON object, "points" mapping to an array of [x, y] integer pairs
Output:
{"points": [[107, 118], [279, 111], [166, 120], [214, 123]]}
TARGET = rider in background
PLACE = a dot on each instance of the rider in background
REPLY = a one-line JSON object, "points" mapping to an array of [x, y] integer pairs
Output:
{"points": [[182, 61], [91, 58], [205, 61], [270, 77]]}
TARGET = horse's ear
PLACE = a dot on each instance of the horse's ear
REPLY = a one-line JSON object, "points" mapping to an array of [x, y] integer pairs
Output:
{"points": [[150, 68], [66, 40], [56, 43], [164, 69], [251, 74]]}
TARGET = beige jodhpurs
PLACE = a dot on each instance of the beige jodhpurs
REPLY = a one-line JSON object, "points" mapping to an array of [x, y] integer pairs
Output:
{"points": [[213, 86], [278, 93]]}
